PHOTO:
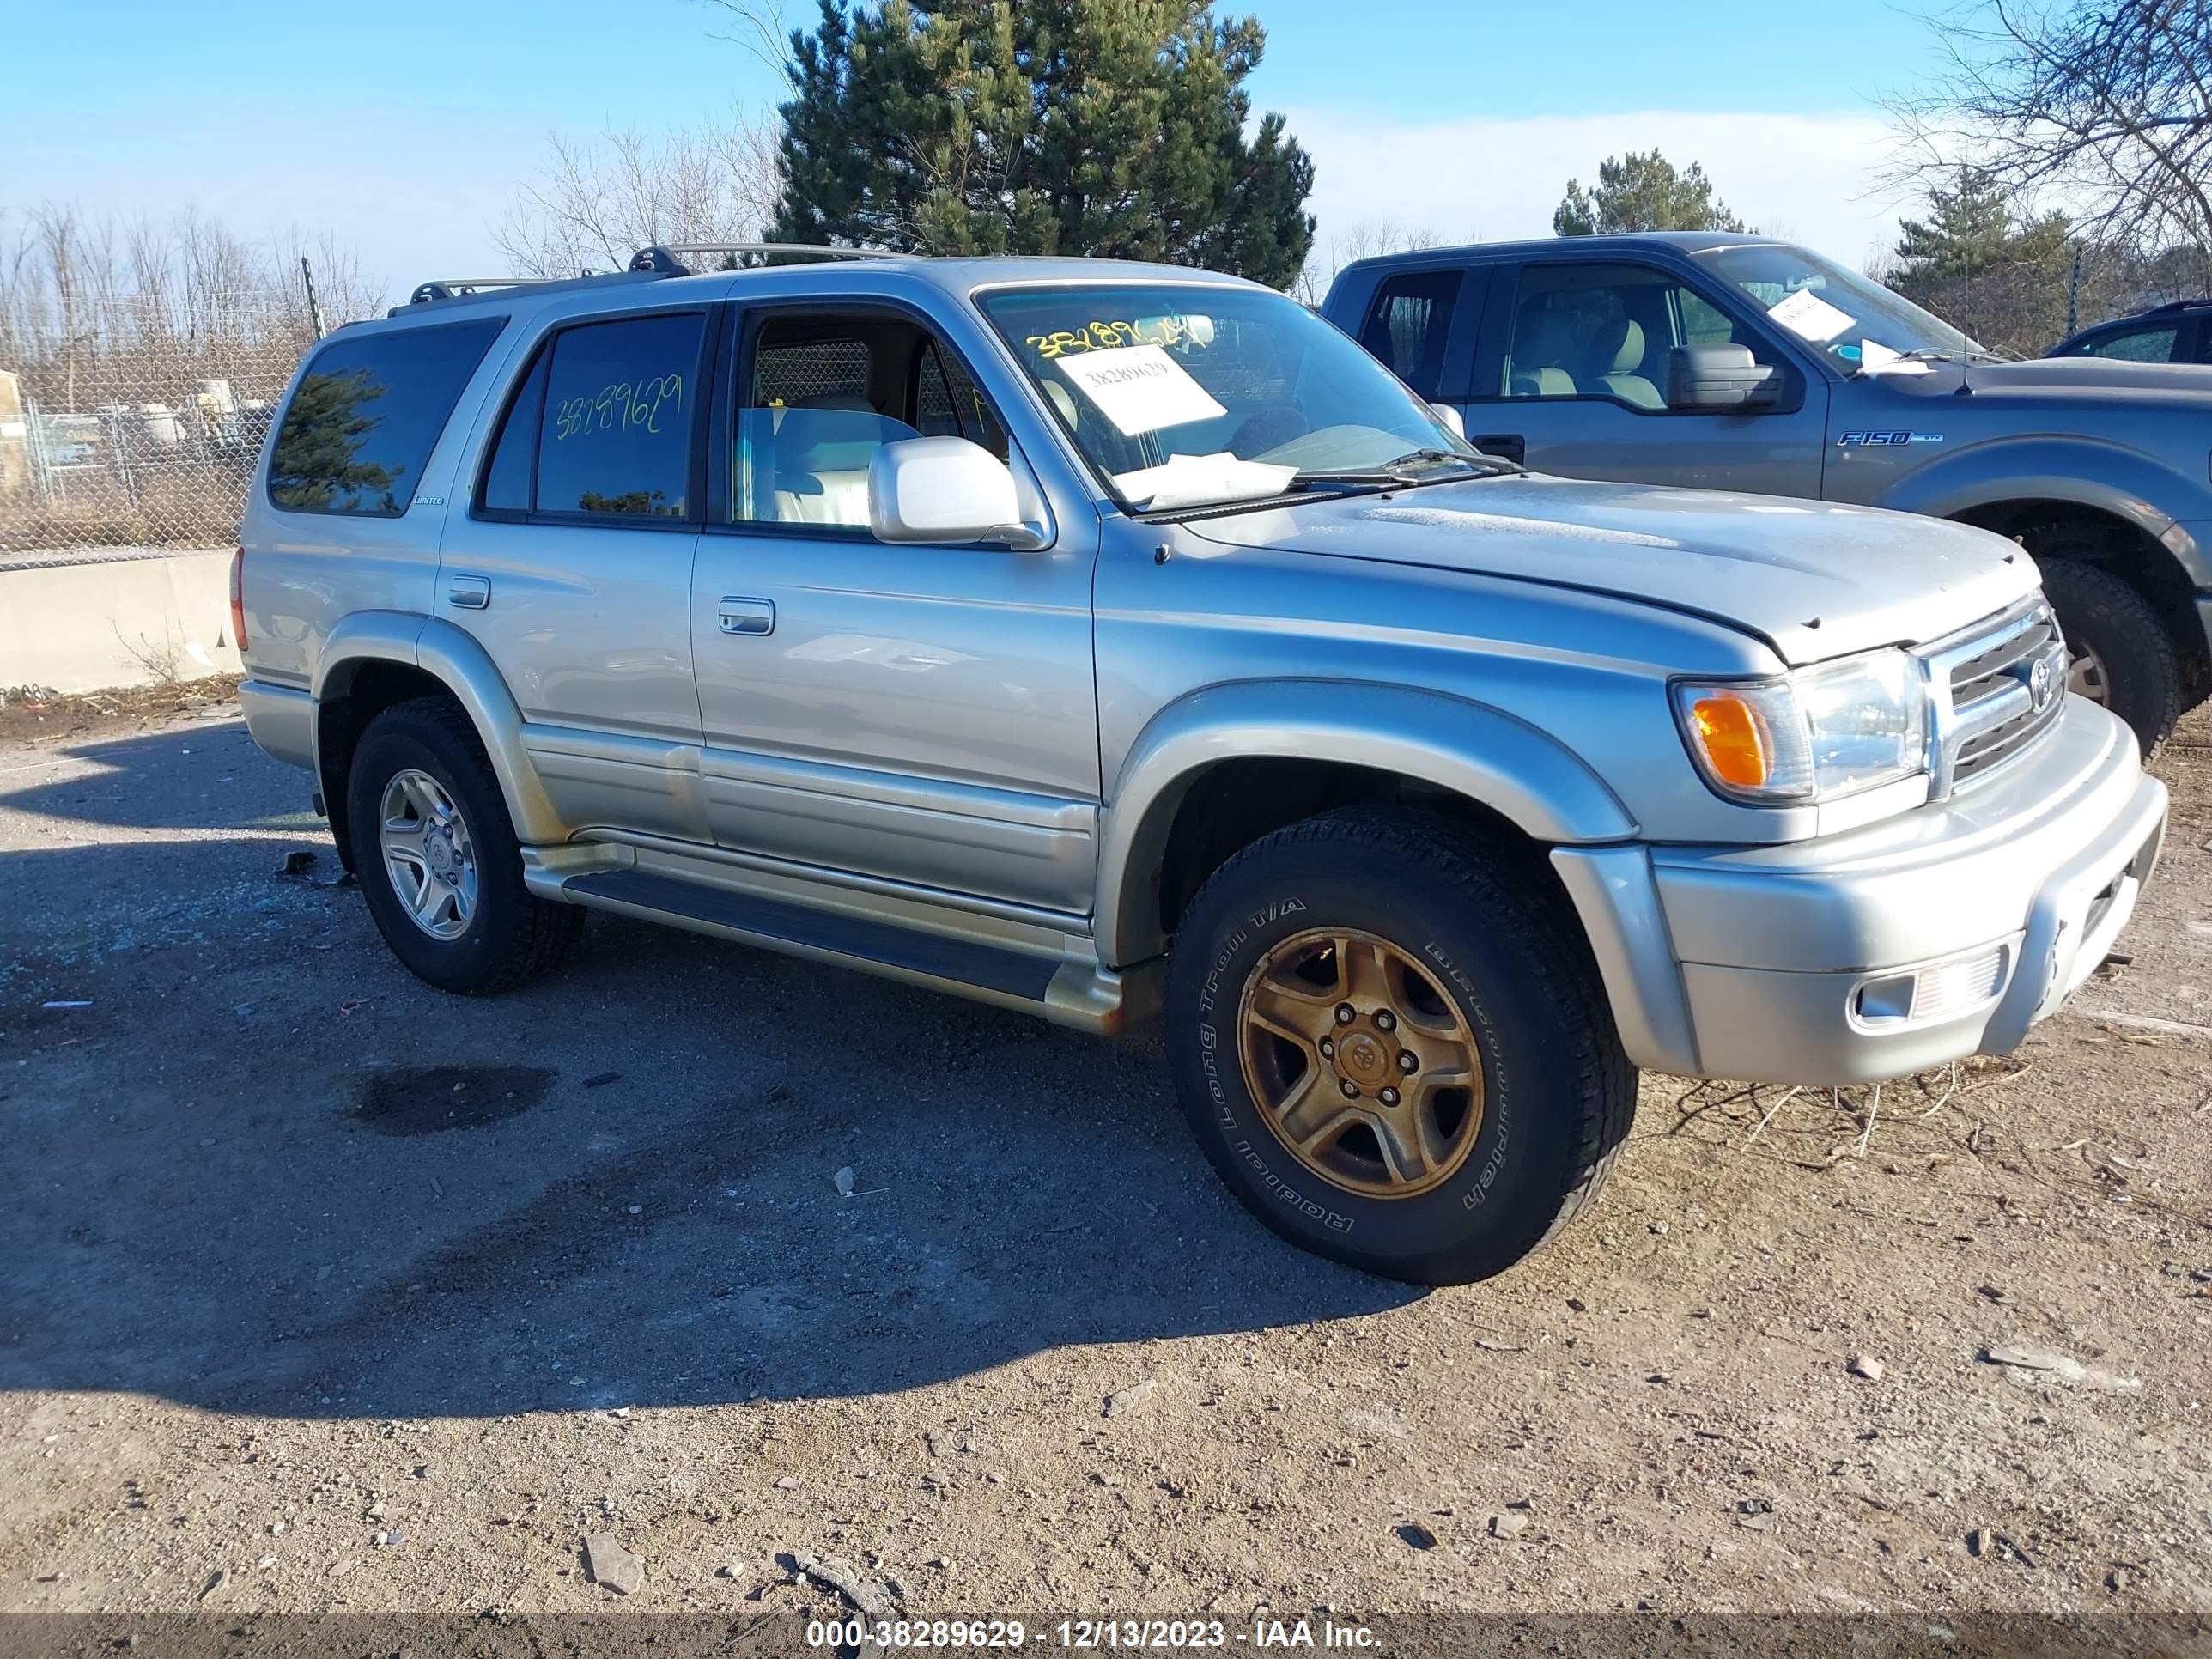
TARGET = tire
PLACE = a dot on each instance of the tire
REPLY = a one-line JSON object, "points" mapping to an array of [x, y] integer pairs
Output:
{"points": [[2117, 635], [1500, 956], [498, 934]]}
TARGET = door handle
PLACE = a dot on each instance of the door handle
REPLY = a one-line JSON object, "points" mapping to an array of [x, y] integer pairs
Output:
{"points": [[1506, 446], [468, 592], [747, 615]]}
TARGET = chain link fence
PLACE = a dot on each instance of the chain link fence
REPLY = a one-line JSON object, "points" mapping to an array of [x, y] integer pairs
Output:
{"points": [[122, 432]]}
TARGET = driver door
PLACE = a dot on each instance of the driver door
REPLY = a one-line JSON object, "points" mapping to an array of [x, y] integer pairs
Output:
{"points": [[918, 715], [1575, 378]]}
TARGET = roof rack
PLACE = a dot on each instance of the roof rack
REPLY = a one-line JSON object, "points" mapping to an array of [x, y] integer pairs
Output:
{"points": [[477, 287], [666, 259], [647, 263]]}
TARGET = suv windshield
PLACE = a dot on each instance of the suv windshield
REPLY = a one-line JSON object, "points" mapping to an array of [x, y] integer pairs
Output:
{"points": [[1186, 395], [1863, 326]]}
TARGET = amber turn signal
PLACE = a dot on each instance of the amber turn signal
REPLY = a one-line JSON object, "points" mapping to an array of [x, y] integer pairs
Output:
{"points": [[1733, 737]]}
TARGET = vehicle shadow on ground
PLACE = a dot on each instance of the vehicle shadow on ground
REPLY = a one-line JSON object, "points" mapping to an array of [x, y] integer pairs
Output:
{"points": [[266, 1171], [187, 777]]}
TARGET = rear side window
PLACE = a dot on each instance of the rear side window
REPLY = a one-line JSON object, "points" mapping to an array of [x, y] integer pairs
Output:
{"points": [[362, 424], [613, 431], [1407, 326]]}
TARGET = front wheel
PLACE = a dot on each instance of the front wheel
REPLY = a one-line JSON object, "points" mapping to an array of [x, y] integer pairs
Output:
{"points": [[1391, 1043], [2120, 653]]}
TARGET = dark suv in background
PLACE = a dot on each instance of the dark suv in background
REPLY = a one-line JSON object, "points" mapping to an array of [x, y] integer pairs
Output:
{"points": [[2178, 333], [1740, 362]]}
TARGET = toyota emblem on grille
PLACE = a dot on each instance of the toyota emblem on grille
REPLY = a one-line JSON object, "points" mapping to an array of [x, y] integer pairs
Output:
{"points": [[2042, 684]]}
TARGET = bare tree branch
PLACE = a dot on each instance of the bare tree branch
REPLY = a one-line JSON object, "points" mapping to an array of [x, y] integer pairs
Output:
{"points": [[2103, 107]]}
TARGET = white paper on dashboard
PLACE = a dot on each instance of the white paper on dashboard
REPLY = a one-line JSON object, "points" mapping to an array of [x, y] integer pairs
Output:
{"points": [[1876, 358], [1139, 388], [1194, 480], [1809, 317]]}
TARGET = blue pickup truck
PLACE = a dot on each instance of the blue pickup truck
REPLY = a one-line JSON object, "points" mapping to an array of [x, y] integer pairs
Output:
{"points": [[1743, 363]]}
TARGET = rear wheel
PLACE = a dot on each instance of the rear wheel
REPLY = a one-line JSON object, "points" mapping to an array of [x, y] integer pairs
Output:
{"points": [[1393, 1047], [2121, 655], [437, 856]]}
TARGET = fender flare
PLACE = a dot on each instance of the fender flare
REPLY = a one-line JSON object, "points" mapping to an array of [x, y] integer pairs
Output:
{"points": [[1470, 748], [2089, 472], [455, 660]]}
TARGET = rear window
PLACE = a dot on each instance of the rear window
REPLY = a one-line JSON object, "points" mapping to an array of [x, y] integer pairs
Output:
{"points": [[362, 424]]}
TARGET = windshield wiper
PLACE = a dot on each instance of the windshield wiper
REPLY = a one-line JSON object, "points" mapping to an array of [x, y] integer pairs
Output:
{"points": [[1413, 467]]}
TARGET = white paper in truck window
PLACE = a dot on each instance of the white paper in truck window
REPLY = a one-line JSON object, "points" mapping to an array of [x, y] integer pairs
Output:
{"points": [[1139, 388], [1809, 317]]}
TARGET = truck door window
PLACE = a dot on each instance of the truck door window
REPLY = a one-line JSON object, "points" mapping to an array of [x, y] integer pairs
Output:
{"points": [[1604, 331], [615, 439], [1406, 327]]}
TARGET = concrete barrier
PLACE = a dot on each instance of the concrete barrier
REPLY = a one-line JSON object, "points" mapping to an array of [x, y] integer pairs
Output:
{"points": [[135, 618]]}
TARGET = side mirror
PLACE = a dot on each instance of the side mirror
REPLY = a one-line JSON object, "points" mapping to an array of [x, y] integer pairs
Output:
{"points": [[1451, 417], [945, 490], [1719, 377]]}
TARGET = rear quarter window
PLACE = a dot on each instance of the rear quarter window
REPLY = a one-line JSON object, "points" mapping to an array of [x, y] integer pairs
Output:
{"points": [[366, 414]]}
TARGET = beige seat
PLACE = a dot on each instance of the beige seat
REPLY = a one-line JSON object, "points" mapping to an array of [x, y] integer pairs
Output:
{"points": [[821, 448], [1538, 350], [1615, 366]]}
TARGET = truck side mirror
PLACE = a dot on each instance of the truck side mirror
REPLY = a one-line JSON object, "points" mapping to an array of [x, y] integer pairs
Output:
{"points": [[1711, 377], [946, 490]]}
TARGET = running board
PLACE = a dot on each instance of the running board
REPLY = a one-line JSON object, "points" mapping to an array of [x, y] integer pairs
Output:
{"points": [[1077, 993]]}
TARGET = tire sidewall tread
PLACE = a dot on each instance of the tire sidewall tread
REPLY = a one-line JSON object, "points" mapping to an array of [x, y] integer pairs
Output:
{"points": [[1557, 1088], [514, 936]]}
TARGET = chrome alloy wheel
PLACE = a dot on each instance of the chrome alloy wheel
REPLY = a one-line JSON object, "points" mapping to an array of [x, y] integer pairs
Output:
{"points": [[428, 853], [2085, 677]]}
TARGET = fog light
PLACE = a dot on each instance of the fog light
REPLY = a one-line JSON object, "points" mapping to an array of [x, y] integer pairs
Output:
{"points": [[1936, 992]]}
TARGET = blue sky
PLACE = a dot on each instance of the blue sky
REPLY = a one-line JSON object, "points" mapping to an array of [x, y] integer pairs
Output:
{"points": [[408, 139]]}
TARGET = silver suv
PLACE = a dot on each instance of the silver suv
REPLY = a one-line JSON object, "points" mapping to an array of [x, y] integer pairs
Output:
{"points": [[1103, 640]]}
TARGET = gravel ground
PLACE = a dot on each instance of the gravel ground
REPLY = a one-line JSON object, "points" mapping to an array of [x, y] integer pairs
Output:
{"points": [[365, 1297]]}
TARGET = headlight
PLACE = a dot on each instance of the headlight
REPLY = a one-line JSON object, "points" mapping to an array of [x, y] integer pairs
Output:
{"points": [[1811, 735]]}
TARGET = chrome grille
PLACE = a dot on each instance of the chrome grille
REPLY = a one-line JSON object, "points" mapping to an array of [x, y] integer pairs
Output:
{"points": [[1997, 689]]}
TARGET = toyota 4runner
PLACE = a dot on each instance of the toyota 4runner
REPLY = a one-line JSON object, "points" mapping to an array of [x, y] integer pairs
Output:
{"points": [[1104, 641]]}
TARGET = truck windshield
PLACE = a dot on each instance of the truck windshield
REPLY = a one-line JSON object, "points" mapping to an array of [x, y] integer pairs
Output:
{"points": [[1185, 395], [1864, 327]]}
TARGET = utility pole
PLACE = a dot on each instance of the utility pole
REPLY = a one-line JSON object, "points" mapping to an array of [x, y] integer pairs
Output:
{"points": [[314, 306], [2074, 293]]}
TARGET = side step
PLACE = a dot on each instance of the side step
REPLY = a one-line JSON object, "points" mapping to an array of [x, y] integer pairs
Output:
{"points": [[1079, 994]]}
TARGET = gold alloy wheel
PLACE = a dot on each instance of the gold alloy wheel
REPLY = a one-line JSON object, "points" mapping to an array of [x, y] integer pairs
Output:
{"points": [[1365, 1069]]}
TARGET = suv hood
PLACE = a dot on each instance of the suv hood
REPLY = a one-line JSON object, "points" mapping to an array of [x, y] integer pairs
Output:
{"points": [[1815, 578]]}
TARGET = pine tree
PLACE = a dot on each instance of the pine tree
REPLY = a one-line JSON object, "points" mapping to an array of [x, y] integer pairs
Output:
{"points": [[1971, 228], [1642, 193], [1998, 275], [1050, 126]]}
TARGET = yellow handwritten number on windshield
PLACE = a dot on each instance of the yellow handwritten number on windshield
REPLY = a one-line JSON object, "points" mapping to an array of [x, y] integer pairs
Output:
{"points": [[1107, 336]]}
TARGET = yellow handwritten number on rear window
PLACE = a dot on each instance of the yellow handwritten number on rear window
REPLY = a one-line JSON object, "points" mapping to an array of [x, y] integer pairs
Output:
{"points": [[621, 406]]}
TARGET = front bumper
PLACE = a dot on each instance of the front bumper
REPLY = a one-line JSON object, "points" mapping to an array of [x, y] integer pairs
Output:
{"points": [[1798, 963]]}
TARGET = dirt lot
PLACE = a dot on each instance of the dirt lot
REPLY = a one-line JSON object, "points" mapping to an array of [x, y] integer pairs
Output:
{"points": [[373, 1299]]}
